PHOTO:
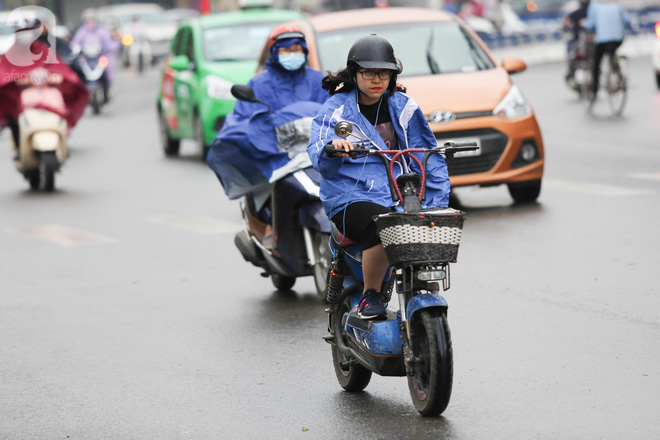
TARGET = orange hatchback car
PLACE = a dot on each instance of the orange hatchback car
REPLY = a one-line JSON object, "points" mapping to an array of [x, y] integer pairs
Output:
{"points": [[465, 94]]}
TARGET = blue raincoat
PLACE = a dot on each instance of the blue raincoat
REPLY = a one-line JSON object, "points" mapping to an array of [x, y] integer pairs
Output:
{"points": [[347, 180], [245, 155]]}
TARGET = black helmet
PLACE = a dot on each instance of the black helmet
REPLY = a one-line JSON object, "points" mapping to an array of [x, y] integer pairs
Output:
{"points": [[373, 52]]}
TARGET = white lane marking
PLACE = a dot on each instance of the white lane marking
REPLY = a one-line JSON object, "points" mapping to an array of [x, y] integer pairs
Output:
{"points": [[62, 235], [595, 188], [646, 176], [195, 223]]}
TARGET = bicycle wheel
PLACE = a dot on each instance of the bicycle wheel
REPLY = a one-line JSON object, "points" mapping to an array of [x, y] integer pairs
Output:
{"points": [[616, 84], [583, 80]]}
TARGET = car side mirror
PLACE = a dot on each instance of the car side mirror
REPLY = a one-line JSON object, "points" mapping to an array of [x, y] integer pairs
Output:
{"points": [[180, 63], [513, 65]]}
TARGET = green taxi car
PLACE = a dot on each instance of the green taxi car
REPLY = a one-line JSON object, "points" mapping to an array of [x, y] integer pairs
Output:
{"points": [[208, 55]]}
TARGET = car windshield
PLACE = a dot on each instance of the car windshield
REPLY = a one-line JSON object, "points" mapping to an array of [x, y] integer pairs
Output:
{"points": [[234, 43], [423, 48]]}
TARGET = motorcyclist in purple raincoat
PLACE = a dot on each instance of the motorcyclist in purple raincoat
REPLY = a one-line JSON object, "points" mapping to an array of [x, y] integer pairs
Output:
{"points": [[92, 32]]}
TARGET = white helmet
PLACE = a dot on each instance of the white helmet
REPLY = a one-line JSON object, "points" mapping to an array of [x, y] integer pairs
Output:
{"points": [[24, 21], [90, 14]]}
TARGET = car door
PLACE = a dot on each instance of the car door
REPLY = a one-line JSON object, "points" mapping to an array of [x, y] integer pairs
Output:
{"points": [[185, 85]]}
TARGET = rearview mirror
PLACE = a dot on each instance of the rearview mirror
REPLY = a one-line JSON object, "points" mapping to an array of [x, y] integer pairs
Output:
{"points": [[513, 65], [343, 129], [180, 63], [243, 93]]}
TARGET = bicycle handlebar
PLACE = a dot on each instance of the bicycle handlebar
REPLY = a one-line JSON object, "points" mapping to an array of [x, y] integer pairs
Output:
{"points": [[448, 149]]}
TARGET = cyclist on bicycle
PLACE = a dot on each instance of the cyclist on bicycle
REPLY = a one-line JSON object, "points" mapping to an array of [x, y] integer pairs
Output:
{"points": [[609, 20], [366, 94], [571, 23]]}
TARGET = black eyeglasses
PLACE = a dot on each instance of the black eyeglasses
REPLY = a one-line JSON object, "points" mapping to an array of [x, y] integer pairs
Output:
{"points": [[370, 74]]}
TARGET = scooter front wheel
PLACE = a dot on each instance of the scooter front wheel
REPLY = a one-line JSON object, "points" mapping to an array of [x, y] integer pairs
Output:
{"points": [[323, 257], [433, 368], [282, 282], [95, 101], [46, 171]]}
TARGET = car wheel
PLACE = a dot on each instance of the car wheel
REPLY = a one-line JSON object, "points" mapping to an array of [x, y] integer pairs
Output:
{"points": [[657, 79], [199, 137], [525, 192], [170, 145]]}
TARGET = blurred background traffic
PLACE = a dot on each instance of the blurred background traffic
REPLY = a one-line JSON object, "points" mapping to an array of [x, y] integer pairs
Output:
{"points": [[498, 22]]}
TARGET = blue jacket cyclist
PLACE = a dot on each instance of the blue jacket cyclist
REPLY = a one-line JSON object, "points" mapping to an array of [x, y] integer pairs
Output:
{"points": [[366, 93], [609, 21]]}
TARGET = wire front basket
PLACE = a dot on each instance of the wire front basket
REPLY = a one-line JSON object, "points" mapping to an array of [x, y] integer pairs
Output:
{"points": [[426, 236]]}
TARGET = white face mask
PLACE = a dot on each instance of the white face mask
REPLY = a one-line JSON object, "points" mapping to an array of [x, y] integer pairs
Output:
{"points": [[292, 61]]}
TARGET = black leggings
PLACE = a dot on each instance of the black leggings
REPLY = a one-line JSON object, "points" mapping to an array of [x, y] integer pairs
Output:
{"points": [[600, 50], [358, 224]]}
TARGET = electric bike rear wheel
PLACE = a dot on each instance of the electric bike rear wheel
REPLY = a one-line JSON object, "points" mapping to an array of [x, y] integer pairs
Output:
{"points": [[353, 377], [431, 382]]}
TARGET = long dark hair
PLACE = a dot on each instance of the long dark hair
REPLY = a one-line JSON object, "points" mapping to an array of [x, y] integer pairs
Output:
{"points": [[344, 80]]}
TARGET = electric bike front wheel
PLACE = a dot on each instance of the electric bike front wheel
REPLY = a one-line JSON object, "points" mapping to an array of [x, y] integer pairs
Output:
{"points": [[352, 377], [431, 382]]}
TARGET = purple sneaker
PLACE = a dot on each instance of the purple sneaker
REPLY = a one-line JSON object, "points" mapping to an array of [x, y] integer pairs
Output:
{"points": [[371, 305]]}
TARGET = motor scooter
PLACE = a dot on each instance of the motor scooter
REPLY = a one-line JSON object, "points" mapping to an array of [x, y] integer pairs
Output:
{"points": [[93, 64], [42, 140], [300, 228], [413, 341], [579, 59]]}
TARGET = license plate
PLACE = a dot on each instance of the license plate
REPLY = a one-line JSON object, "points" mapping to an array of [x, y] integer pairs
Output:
{"points": [[469, 153]]}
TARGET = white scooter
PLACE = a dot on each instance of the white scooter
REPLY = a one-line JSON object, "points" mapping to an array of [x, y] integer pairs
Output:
{"points": [[41, 149]]}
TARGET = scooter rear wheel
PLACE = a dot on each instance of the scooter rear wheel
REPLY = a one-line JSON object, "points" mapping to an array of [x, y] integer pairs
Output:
{"points": [[433, 368], [354, 377]]}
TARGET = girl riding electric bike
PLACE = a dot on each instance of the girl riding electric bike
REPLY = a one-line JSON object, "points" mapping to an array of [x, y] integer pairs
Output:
{"points": [[367, 107], [413, 341]]}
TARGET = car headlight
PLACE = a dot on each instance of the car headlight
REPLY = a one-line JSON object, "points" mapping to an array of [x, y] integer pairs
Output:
{"points": [[218, 88], [513, 105]]}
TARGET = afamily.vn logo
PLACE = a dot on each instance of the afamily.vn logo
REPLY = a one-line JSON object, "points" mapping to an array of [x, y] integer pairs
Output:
{"points": [[37, 76], [30, 23]]}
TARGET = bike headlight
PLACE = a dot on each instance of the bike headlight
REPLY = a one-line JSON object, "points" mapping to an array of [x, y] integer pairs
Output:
{"points": [[513, 105], [218, 88]]}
